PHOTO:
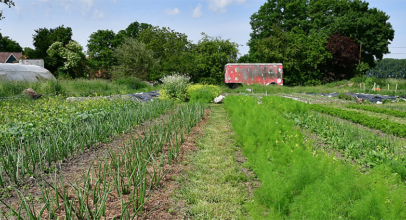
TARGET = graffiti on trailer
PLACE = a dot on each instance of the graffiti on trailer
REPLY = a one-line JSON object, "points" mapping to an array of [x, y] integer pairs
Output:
{"points": [[254, 73]]}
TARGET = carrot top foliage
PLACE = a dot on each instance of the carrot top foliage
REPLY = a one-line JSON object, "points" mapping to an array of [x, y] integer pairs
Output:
{"points": [[297, 182]]}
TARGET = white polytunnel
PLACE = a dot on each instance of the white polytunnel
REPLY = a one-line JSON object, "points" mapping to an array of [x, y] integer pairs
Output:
{"points": [[25, 73]]}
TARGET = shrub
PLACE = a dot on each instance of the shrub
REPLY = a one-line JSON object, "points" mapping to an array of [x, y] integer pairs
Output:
{"points": [[204, 93], [174, 86]]}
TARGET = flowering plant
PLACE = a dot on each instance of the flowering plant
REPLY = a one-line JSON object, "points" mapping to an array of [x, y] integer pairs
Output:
{"points": [[174, 86]]}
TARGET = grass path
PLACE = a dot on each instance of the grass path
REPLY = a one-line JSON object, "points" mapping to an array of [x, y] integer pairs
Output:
{"points": [[215, 187]]}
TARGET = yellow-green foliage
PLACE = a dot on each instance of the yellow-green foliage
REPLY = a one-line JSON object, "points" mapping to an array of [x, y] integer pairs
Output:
{"points": [[299, 183], [206, 93]]}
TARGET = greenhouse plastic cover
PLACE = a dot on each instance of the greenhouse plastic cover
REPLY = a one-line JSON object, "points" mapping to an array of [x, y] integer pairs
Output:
{"points": [[27, 73]]}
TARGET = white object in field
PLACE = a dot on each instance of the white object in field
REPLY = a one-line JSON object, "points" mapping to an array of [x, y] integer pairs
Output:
{"points": [[379, 103], [219, 99], [249, 90]]}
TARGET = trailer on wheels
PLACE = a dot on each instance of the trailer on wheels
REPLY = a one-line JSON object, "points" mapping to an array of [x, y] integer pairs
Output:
{"points": [[253, 73]]}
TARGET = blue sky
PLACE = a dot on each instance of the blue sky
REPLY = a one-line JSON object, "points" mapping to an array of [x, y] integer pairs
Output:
{"points": [[228, 19]]}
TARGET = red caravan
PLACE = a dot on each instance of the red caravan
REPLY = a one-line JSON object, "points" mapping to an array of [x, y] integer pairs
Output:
{"points": [[253, 73]]}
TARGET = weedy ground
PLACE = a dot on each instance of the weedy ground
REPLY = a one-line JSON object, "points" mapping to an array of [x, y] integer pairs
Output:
{"points": [[216, 187]]}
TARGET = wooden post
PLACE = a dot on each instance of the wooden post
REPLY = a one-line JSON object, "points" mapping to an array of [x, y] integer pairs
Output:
{"points": [[388, 87], [373, 89], [396, 89]]}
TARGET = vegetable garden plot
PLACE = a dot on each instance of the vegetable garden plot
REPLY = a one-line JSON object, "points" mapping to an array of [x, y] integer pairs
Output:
{"points": [[119, 187], [384, 125], [354, 143], [32, 150], [297, 182]]}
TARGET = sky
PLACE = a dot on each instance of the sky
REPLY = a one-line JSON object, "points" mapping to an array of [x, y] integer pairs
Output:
{"points": [[228, 19]]}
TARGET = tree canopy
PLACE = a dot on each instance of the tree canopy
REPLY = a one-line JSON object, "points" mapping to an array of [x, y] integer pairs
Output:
{"points": [[100, 48], [211, 54], [134, 29], [9, 45], [134, 59], [74, 60], [44, 38], [168, 46], [318, 20], [389, 68]]}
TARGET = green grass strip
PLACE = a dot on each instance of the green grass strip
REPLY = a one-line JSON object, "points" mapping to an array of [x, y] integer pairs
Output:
{"points": [[369, 108], [214, 188], [363, 119], [299, 183]]}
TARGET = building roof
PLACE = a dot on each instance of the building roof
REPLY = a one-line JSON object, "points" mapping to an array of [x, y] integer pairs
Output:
{"points": [[4, 56]]}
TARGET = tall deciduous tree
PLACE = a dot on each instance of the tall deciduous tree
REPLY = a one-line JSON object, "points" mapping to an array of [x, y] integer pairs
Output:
{"points": [[211, 54], [351, 18], [168, 46], [134, 59], [9, 45], [134, 29], [9, 3], [301, 55], [101, 45], [44, 38], [74, 60], [345, 56]]}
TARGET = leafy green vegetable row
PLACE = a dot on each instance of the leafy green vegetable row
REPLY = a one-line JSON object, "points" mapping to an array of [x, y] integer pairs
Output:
{"points": [[363, 119], [369, 108], [299, 183]]}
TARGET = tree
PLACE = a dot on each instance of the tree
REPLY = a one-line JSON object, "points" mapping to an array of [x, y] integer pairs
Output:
{"points": [[44, 38], [300, 55], [351, 18], [30, 53], [134, 29], [101, 45], [168, 46], [211, 55], [344, 57], [9, 3], [134, 59], [9, 45], [74, 60]]}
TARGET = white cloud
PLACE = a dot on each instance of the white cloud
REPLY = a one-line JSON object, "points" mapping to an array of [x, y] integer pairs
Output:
{"points": [[98, 14], [174, 11], [87, 4], [221, 5], [197, 13]]}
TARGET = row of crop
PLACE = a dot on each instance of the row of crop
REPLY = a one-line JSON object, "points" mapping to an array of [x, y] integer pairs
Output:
{"points": [[353, 142], [33, 150], [47, 109], [297, 182], [370, 108], [384, 125], [124, 181]]}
